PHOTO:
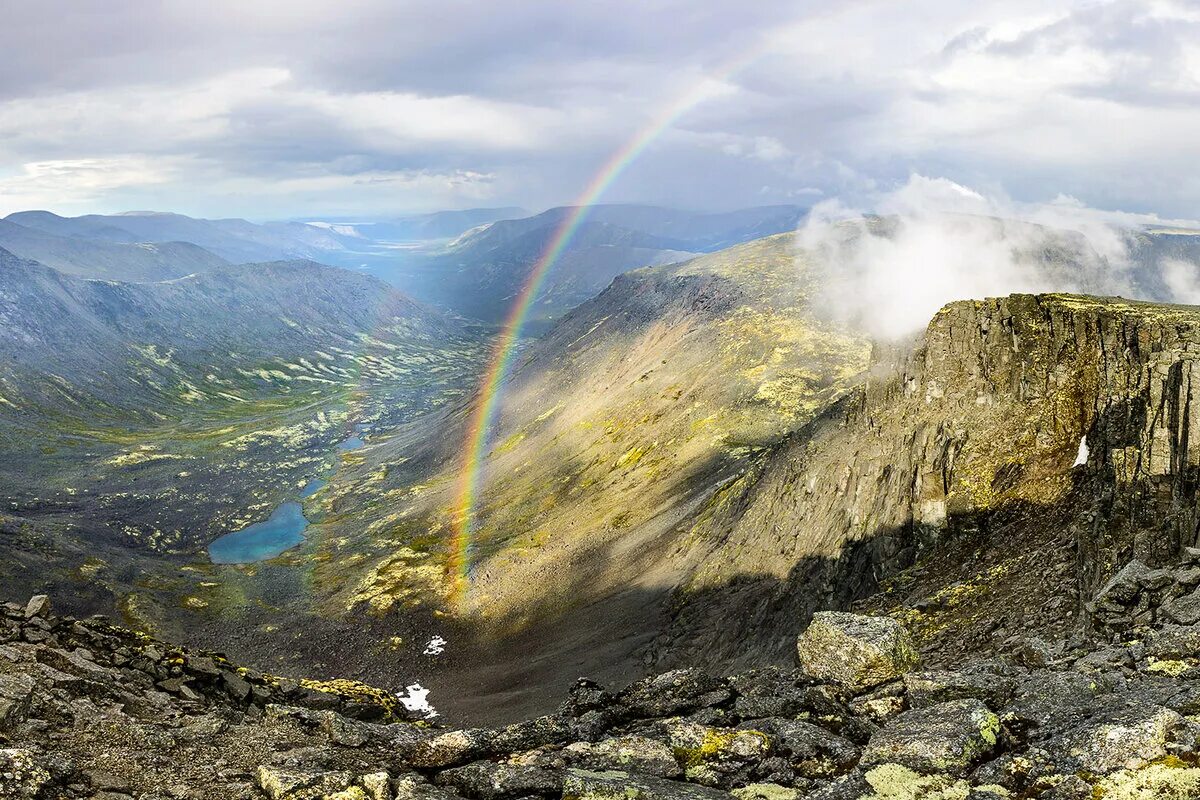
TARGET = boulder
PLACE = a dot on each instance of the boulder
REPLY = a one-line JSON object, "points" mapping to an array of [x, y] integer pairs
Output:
{"points": [[672, 693], [16, 693], [854, 651], [812, 750], [1175, 641], [941, 686], [1129, 738], [488, 780], [453, 748], [38, 607], [1123, 588], [947, 737], [414, 787], [586, 785], [278, 784], [635, 753], [1185, 610]]}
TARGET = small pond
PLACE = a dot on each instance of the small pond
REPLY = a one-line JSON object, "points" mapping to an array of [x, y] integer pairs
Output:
{"points": [[282, 531]]}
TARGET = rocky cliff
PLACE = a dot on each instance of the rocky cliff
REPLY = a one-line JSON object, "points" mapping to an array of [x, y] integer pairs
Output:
{"points": [[1025, 449]]}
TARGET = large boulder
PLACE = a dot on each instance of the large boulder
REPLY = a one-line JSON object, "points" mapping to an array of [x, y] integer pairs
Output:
{"points": [[947, 737], [854, 651]]}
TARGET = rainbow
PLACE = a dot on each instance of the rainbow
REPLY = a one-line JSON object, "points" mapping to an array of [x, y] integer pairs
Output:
{"points": [[482, 415]]}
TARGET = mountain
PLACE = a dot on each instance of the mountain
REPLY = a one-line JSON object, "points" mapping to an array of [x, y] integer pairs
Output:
{"points": [[234, 240], [106, 260], [667, 227], [480, 273]]}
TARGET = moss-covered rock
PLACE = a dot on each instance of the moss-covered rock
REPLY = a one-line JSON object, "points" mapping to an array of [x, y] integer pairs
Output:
{"points": [[856, 652]]}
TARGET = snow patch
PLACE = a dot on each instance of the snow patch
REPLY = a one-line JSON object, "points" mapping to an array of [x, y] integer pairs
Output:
{"points": [[436, 646], [416, 698], [1082, 459]]}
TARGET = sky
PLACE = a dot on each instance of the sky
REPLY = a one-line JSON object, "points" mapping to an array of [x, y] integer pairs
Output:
{"points": [[371, 108]]}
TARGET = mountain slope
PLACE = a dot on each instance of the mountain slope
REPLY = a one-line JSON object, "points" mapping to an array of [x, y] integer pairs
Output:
{"points": [[140, 421], [106, 260]]}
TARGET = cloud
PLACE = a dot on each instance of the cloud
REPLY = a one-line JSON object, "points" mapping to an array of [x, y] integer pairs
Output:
{"points": [[889, 267], [1097, 101]]}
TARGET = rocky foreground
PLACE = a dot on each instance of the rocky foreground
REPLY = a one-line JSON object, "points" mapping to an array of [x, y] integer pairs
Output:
{"points": [[91, 710]]}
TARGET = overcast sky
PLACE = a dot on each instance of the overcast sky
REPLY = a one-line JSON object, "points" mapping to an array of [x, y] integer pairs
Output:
{"points": [[272, 109]]}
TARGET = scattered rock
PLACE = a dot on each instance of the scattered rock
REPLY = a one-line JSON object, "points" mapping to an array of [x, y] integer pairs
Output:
{"points": [[37, 607]]}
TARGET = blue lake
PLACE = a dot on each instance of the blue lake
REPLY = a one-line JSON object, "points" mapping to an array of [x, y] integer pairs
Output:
{"points": [[312, 487], [267, 539], [353, 443]]}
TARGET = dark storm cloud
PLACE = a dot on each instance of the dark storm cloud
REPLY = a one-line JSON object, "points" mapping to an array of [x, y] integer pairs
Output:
{"points": [[273, 108]]}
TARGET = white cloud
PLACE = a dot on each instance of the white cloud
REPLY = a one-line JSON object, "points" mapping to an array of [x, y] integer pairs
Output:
{"points": [[940, 241]]}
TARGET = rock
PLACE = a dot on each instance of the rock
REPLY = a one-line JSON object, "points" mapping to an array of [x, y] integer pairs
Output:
{"points": [[707, 754], [634, 753], [343, 731], [1123, 588], [21, 777], [16, 693], [854, 651], [585, 785], [278, 784], [237, 687], [414, 787], [376, 785], [1175, 641], [768, 692], [453, 748], [947, 737], [38, 607], [203, 666], [673, 693], [1033, 652], [940, 686], [881, 704], [895, 781], [766, 791], [1127, 739], [813, 751], [491, 781], [1185, 610]]}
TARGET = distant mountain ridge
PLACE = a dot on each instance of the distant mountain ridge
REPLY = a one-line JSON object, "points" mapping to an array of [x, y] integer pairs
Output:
{"points": [[105, 259], [235, 240]]}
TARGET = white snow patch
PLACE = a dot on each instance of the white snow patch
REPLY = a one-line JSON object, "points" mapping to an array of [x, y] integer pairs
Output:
{"points": [[1082, 458], [436, 646], [416, 698]]}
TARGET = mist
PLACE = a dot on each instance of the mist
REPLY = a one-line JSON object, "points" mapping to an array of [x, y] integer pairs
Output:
{"points": [[891, 263]]}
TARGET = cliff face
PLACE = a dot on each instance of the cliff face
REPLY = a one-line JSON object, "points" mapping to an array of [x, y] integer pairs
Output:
{"points": [[965, 452]]}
